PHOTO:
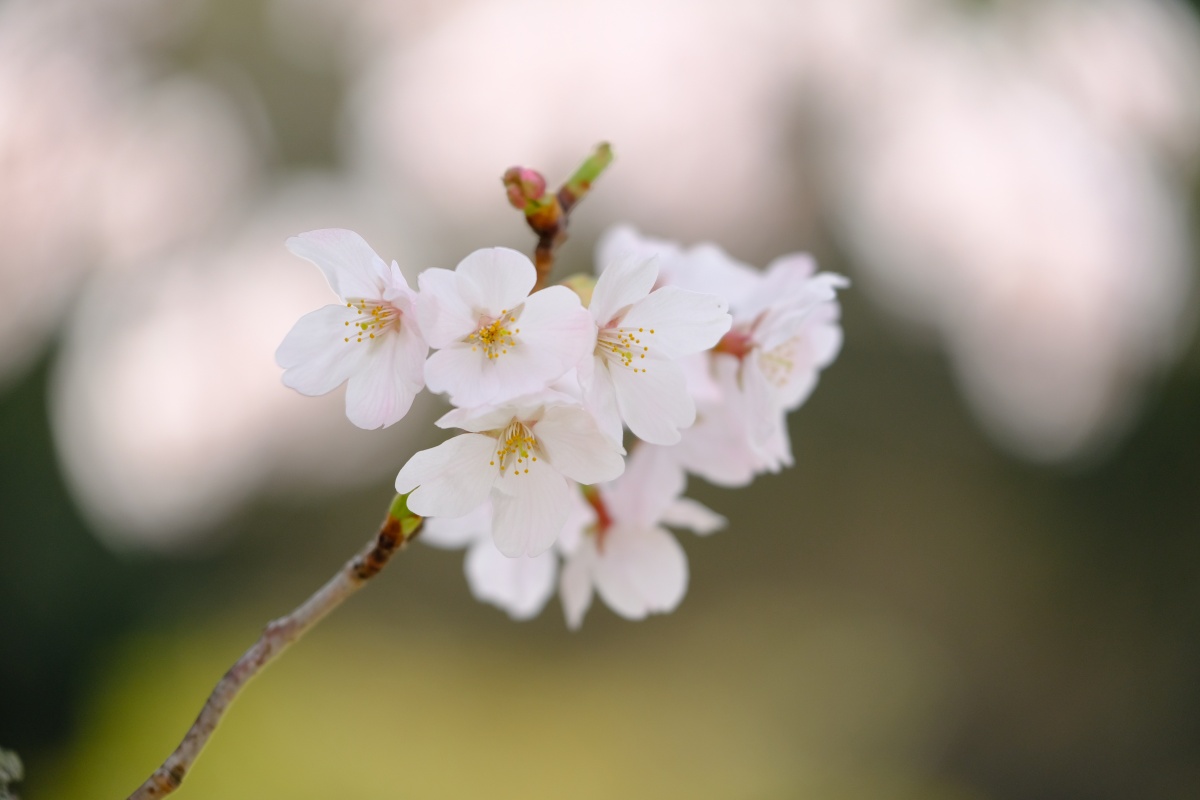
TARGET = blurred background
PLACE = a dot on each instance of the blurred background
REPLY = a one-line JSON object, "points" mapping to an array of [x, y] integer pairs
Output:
{"points": [[980, 581]]}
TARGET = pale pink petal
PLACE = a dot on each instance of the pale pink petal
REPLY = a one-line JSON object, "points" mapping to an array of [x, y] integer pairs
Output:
{"points": [[775, 452], [495, 279], [799, 265], [688, 514], [717, 447], [655, 404], [621, 284], [825, 335], [451, 479], [380, 393], [478, 419], [677, 322], [397, 291], [347, 261], [624, 240], [556, 333], [530, 509], [798, 388], [444, 316], [600, 397], [521, 586], [581, 517], [314, 355], [454, 533], [708, 269], [466, 374], [411, 351], [641, 571], [568, 386], [718, 453], [575, 446], [702, 384], [787, 303], [762, 405], [652, 481], [491, 417], [575, 585]]}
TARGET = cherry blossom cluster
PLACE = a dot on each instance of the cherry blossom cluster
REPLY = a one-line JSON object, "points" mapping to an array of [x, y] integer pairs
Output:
{"points": [[698, 356]]}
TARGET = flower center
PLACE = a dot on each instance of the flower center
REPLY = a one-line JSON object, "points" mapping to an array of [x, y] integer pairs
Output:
{"points": [[738, 343], [516, 449], [496, 336], [779, 362], [369, 319], [624, 346], [604, 519]]}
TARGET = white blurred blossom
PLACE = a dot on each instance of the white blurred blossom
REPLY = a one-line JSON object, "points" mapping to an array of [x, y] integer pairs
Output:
{"points": [[546, 80], [1050, 255], [167, 406], [99, 164]]}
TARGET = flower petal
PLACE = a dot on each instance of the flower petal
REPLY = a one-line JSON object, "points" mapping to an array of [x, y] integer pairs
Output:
{"points": [[682, 322], [575, 446], [581, 518], [347, 261], [455, 533], [381, 392], [521, 586], [530, 510], [467, 375], [717, 447], [451, 479], [655, 404], [696, 517], [624, 240], [444, 316], [601, 399], [575, 585], [314, 355], [495, 279], [708, 269], [652, 481], [762, 405], [622, 283], [556, 334], [641, 571]]}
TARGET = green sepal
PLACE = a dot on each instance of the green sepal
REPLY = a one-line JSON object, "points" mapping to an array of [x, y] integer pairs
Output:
{"points": [[410, 523]]}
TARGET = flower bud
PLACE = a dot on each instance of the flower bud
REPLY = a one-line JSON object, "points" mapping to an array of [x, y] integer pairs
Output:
{"points": [[523, 185]]}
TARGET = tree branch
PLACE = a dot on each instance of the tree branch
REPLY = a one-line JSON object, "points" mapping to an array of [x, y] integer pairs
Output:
{"points": [[398, 528]]}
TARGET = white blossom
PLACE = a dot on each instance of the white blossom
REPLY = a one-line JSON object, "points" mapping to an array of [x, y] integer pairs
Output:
{"points": [[496, 341], [785, 331], [784, 334], [520, 455], [633, 374], [628, 557], [522, 585], [370, 342]]}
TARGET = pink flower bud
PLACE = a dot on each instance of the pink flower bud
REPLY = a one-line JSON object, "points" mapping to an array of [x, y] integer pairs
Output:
{"points": [[523, 184]]}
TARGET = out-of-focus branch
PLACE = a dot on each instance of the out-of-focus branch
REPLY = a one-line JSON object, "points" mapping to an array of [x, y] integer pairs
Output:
{"points": [[548, 214], [398, 528]]}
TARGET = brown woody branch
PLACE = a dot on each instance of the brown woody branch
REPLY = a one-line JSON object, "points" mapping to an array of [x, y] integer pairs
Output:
{"points": [[396, 531]]}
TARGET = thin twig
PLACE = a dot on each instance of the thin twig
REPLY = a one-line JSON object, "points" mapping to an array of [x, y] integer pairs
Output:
{"points": [[548, 214], [399, 527]]}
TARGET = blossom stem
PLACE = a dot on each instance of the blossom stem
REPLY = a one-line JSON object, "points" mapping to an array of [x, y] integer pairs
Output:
{"points": [[548, 215], [397, 529]]}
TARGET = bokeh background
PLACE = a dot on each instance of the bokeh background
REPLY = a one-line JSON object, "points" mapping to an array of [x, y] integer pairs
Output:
{"points": [[980, 581]]}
